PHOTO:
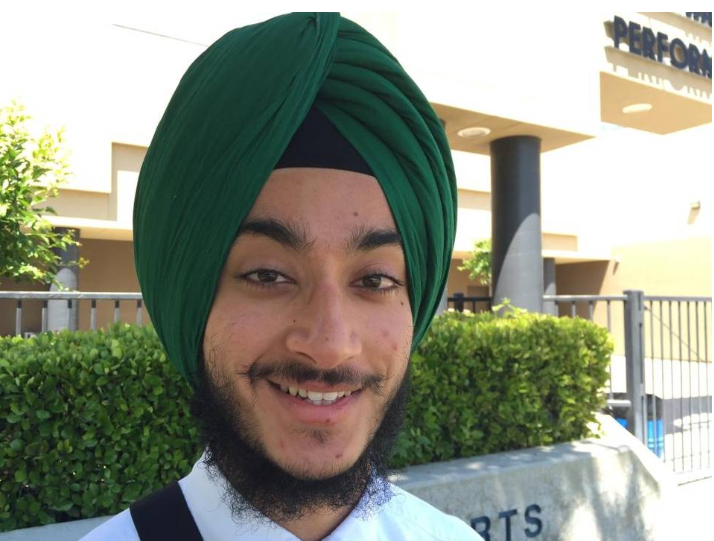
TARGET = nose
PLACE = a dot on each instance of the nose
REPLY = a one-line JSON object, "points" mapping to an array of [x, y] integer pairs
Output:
{"points": [[325, 329]]}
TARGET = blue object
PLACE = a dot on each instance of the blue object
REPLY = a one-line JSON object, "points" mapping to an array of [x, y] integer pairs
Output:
{"points": [[655, 435]]}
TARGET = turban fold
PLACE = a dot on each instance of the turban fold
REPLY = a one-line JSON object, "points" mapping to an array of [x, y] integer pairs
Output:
{"points": [[226, 127]]}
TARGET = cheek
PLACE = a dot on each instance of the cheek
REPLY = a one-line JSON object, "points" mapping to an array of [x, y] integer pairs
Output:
{"points": [[391, 333], [235, 336], [389, 340]]}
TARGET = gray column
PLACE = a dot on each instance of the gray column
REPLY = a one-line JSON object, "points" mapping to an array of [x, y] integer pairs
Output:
{"points": [[59, 314], [635, 361], [444, 302], [517, 261], [549, 285]]}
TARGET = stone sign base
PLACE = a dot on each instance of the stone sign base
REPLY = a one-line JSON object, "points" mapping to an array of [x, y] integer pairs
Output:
{"points": [[610, 488]]}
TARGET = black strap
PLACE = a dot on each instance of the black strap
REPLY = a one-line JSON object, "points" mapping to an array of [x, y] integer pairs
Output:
{"points": [[164, 515]]}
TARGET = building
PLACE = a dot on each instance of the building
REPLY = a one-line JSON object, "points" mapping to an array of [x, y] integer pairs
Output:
{"points": [[621, 104]]}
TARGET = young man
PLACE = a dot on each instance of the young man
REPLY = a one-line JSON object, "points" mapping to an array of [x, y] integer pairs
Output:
{"points": [[293, 228]]}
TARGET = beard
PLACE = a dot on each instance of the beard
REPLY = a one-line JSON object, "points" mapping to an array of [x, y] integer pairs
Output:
{"points": [[258, 487]]}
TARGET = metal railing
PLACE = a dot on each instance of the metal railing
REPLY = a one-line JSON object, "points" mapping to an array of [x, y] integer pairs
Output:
{"points": [[660, 373], [459, 302], [677, 368], [73, 299]]}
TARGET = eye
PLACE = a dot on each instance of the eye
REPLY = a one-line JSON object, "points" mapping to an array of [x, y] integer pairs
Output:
{"points": [[379, 282], [264, 278]]}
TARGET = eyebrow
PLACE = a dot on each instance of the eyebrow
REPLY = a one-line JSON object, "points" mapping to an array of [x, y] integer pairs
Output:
{"points": [[293, 236], [364, 240], [288, 234]]}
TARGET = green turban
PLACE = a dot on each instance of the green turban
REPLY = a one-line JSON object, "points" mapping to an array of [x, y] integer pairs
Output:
{"points": [[229, 121]]}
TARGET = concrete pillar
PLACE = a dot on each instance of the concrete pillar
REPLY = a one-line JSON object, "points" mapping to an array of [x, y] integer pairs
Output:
{"points": [[59, 315], [549, 285], [517, 264], [444, 302]]}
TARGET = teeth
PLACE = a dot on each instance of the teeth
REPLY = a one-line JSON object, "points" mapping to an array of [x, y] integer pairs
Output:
{"points": [[315, 397], [321, 402]]}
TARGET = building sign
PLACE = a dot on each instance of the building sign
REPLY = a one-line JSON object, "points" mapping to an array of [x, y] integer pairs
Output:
{"points": [[531, 517], [704, 17], [643, 41]]}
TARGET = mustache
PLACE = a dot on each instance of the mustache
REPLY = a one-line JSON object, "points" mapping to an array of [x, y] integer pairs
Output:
{"points": [[299, 372]]}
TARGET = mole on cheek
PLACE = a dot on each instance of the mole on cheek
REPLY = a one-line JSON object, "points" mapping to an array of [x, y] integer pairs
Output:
{"points": [[355, 214]]}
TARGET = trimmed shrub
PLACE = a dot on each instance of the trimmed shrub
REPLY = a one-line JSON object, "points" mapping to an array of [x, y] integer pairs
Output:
{"points": [[92, 421], [89, 422], [485, 384]]}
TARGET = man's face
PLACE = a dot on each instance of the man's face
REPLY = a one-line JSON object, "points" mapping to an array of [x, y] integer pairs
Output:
{"points": [[312, 300]]}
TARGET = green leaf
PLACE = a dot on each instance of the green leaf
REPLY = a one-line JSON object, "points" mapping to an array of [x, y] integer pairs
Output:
{"points": [[17, 445], [20, 475]]}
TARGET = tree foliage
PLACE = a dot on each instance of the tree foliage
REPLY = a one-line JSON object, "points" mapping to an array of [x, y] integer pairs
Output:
{"points": [[31, 171], [479, 264]]}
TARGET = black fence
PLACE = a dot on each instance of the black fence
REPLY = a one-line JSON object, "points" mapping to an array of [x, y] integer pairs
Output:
{"points": [[460, 303]]}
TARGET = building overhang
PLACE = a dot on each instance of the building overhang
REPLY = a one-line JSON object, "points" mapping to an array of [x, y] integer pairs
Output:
{"points": [[670, 111], [456, 119], [94, 229]]}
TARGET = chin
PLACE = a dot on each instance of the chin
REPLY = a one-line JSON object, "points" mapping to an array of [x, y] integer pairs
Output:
{"points": [[319, 455]]}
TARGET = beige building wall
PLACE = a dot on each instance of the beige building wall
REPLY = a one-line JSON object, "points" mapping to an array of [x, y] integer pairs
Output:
{"points": [[459, 282]]}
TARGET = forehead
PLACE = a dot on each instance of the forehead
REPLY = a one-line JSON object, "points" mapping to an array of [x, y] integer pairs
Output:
{"points": [[326, 202]]}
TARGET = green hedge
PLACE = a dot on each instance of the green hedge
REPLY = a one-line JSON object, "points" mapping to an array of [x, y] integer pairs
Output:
{"points": [[89, 422], [485, 384]]}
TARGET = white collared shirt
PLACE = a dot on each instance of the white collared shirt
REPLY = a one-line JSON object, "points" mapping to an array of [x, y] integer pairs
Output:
{"points": [[405, 517]]}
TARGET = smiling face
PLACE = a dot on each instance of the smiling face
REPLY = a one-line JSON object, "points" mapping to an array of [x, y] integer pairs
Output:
{"points": [[311, 327]]}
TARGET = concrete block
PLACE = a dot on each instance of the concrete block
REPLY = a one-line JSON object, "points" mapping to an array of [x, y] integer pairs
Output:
{"points": [[591, 490]]}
